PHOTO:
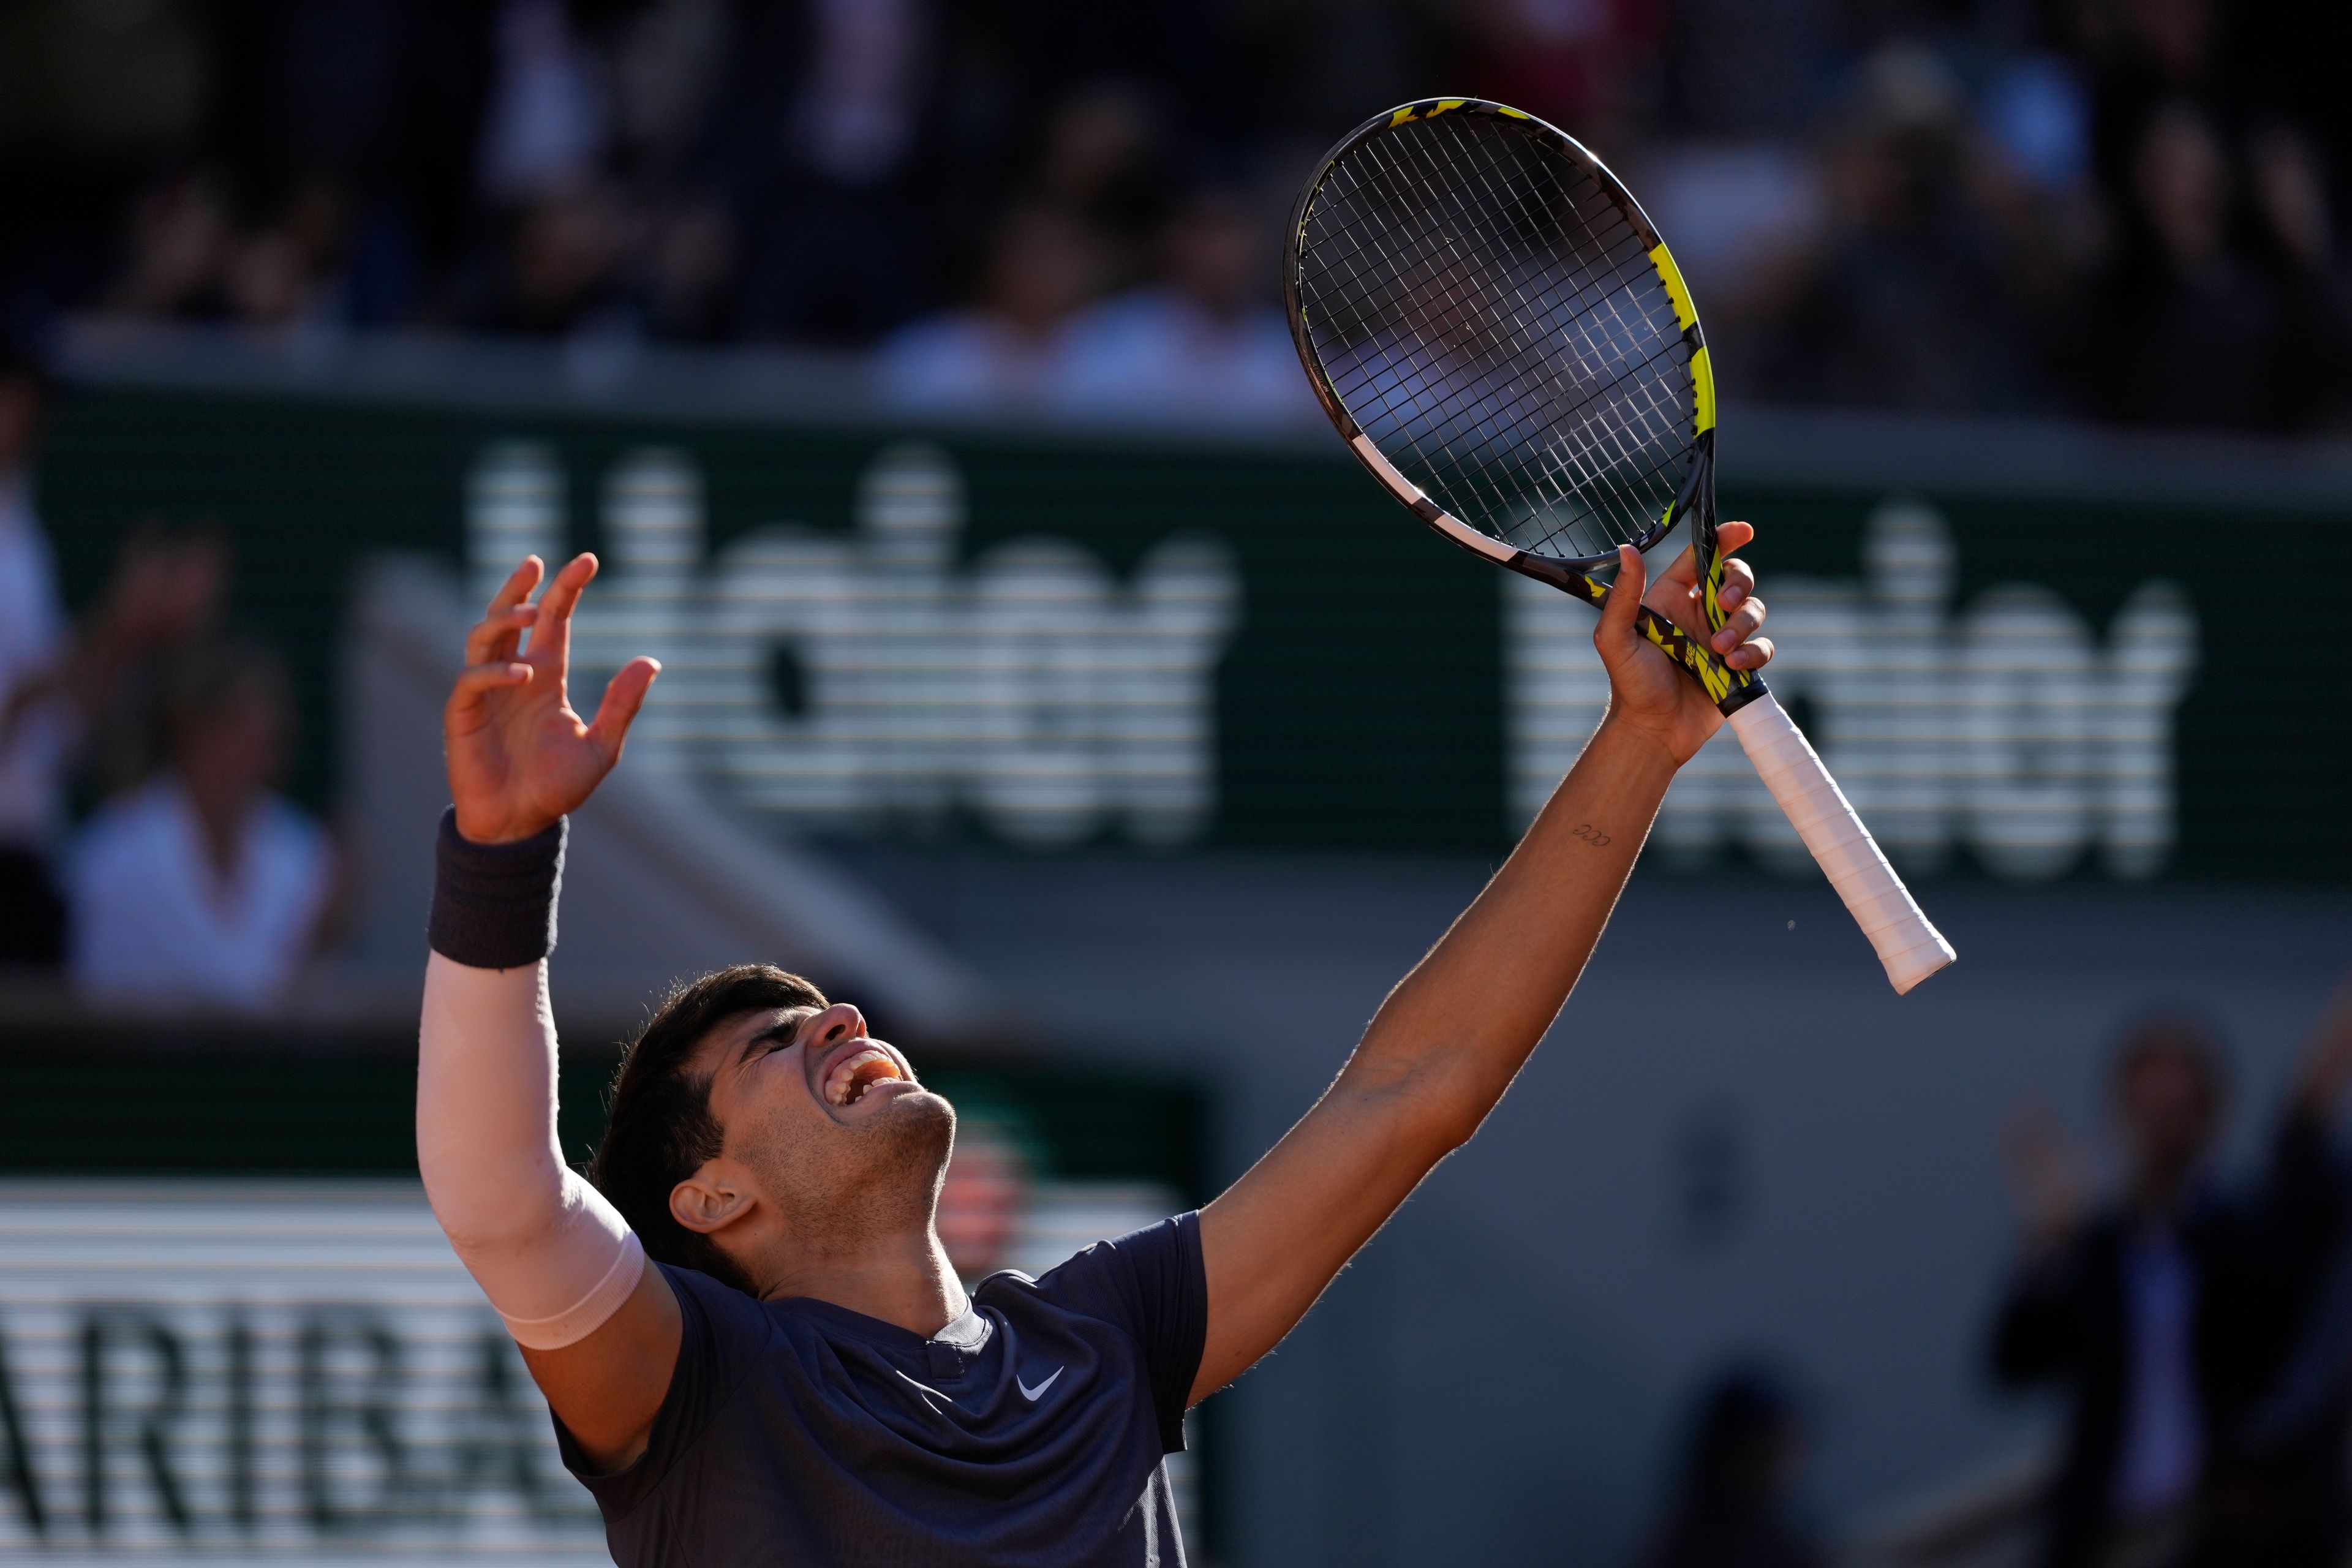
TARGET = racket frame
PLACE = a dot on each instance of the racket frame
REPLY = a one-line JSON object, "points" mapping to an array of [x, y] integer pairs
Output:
{"points": [[1695, 499]]}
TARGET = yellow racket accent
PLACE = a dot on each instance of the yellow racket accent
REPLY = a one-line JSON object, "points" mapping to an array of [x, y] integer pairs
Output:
{"points": [[1691, 653], [1685, 313], [1703, 383]]}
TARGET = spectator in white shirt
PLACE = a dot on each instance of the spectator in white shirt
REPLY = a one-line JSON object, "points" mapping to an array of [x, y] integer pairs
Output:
{"points": [[56, 681], [1007, 350], [204, 887], [1206, 345]]}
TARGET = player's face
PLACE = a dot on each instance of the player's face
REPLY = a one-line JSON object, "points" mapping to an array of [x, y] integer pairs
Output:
{"points": [[833, 1124]]}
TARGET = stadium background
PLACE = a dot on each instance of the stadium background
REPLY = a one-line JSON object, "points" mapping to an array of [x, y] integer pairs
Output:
{"points": [[414, 335]]}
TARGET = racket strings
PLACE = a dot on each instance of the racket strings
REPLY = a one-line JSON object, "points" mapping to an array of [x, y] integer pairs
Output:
{"points": [[1481, 403], [1486, 310], [1586, 305]]}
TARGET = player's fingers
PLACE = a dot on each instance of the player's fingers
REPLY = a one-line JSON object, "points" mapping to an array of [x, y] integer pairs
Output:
{"points": [[1624, 600], [624, 695], [516, 588], [475, 682], [497, 635], [553, 636], [1739, 583], [1753, 655], [1728, 537], [1739, 627]]}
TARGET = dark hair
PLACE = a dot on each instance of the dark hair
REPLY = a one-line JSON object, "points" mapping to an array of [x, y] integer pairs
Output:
{"points": [[658, 1129]]}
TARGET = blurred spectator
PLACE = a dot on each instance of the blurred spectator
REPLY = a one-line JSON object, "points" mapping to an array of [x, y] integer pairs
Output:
{"points": [[547, 121], [2290, 183], [1107, 163], [821, 137], [2162, 1315], [186, 257], [60, 684], [2137, 1309], [169, 589], [285, 271], [985, 1197], [32, 639], [562, 269], [203, 886], [1914, 301], [1590, 64], [1008, 349], [2280, 1495], [178, 239], [2038, 114], [1207, 344], [2194, 333], [2141, 57], [1736, 1501]]}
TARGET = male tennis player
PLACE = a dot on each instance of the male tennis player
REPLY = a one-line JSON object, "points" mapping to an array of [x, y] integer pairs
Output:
{"points": [[752, 1342]]}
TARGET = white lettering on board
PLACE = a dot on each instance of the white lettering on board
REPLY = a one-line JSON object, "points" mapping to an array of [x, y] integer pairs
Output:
{"points": [[2011, 728], [869, 677]]}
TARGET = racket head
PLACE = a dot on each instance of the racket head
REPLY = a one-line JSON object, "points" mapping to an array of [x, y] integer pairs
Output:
{"points": [[1496, 328]]}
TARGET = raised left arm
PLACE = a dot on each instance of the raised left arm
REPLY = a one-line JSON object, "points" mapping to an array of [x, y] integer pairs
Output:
{"points": [[1449, 1039]]}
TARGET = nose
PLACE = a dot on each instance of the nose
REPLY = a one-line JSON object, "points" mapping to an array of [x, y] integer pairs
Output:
{"points": [[837, 1023]]}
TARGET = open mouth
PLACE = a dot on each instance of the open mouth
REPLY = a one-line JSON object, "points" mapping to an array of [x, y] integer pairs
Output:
{"points": [[847, 1083]]}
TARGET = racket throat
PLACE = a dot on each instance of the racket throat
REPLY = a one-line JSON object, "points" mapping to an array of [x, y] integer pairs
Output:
{"points": [[1742, 695]]}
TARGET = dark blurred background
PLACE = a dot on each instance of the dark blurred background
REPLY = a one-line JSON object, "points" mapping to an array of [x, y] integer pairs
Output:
{"points": [[2127, 210], [1041, 673]]}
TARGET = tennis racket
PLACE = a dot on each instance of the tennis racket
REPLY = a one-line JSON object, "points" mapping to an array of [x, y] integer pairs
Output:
{"points": [[1504, 342]]}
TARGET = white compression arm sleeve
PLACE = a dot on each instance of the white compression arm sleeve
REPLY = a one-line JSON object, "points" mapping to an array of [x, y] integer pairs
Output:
{"points": [[554, 1256]]}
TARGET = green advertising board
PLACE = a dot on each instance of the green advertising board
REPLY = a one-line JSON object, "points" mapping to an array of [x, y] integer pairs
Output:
{"points": [[1058, 636]]}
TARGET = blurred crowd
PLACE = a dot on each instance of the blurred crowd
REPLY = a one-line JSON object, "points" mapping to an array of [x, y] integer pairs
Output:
{"points": [[2200, 1331], [190, 882], [2123, 209], [2194, 1326]]}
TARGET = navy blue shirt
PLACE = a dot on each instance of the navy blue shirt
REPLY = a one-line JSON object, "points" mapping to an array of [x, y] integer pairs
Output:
{"points": [[1031, 1430]]}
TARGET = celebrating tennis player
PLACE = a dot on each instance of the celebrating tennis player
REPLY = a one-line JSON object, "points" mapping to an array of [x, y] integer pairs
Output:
{"points": [[743, 1320]]}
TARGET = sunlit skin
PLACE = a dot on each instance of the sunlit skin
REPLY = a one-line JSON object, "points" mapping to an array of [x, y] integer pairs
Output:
{"points": [[815, 1198], [821, 1192]]}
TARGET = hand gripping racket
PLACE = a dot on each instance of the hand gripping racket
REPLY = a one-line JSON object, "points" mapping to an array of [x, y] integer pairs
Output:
{"points": [[1504, 340]]}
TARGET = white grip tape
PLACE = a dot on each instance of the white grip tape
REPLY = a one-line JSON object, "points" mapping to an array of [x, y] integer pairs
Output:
{"points": [[1910, 947]]}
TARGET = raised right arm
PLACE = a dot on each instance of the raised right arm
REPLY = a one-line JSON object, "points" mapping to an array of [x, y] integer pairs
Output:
{"points": [[598, 1325]]}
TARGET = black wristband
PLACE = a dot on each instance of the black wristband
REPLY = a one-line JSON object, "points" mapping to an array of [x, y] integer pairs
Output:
{"points": [[494, 904]]}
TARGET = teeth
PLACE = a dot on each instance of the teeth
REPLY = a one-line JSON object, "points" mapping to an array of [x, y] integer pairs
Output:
{"points": [[842, 1085]]}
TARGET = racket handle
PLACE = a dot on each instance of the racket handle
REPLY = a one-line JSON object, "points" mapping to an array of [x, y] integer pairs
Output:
{"points": [[1910, 947]]}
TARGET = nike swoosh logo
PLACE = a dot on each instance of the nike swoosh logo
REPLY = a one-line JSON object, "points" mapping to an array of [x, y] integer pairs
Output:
{"points": [[1034, 1394]]}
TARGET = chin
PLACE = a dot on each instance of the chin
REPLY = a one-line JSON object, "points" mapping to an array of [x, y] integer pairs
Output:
{"points": [[917, 1121], [918, 1104]]}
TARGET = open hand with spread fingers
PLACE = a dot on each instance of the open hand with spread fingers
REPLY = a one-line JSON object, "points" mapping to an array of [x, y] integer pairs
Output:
{"points": [[520, 757]]}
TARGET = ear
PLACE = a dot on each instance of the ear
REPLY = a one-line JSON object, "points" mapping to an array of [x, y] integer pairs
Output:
{"points": [[711, 1199]]}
